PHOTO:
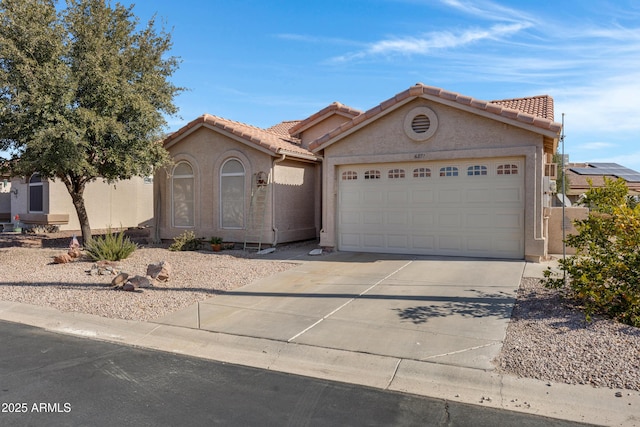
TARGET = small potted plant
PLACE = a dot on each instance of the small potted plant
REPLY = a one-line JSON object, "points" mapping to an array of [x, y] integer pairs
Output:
{"points": [[17, 228], [216, 243]]}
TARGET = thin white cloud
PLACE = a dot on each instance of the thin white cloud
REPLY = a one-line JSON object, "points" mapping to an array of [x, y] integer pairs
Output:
{"points": [[489, 10], [426, 44]]}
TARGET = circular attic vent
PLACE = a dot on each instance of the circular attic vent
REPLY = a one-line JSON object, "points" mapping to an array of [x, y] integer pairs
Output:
{"points": [[420, 123]]}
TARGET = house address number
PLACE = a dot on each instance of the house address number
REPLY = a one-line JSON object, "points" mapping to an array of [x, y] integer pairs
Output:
{"points": [[419, 156]]}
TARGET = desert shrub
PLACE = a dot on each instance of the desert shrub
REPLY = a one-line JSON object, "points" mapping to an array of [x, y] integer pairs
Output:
{"points": [[187, 241], [110, 247], [604, 275]]}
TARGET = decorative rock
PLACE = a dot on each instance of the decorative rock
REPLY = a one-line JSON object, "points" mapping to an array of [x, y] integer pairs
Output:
{"points": [[128, 287], [119, 280], [74, 253], [315, 252], [105, 268], [159, 272], [62, 259], [139, 282]]}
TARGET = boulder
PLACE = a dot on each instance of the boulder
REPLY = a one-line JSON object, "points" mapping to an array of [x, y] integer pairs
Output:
{"points": [[159, 272], [62, 259], [74, 253], [128, 287], [139, 282], [119, 280]]}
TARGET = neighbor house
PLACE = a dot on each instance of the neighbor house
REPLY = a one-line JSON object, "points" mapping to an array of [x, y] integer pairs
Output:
{"points": [[426, 171], [581, 176], [42, 202]]}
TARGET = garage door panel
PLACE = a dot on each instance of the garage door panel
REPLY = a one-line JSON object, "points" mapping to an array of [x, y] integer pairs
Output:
{"points": [[450, 219], [372, 197], [478, 195], [509, 220], [463, 215], [397, 241], [449, 195], [373, 241], [398, 218], [480, 220], [397, 196], [372, 218], [450, 243], [508, 195], [421, 220], [423, 243], [349, 218], [422, 196]]}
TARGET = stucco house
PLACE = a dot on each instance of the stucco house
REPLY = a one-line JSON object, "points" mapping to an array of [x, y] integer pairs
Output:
{"points": [[39, 201], [427, 171], [581, 176]]}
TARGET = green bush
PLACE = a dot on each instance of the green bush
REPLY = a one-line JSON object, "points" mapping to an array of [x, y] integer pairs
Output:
{"points": [[187, 241], [110, 247], [604, 275]]}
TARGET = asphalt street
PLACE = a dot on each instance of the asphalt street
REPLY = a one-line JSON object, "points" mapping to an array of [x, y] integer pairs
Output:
{"points": [[59, 380]]}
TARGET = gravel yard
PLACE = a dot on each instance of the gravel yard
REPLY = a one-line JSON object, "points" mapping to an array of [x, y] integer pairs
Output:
{"points": [[27, 275], [547, 339]]}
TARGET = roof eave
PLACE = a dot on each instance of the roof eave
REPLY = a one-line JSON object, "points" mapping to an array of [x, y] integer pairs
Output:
{"points": [[507, 116]]}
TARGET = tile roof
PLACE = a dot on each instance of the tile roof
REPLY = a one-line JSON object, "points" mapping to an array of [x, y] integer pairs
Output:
{"points": [[504, 111], [272, 140], [539, 106], [334, 107], [283, 127]]}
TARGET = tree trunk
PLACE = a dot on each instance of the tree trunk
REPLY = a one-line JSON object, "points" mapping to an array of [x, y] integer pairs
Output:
{"points": [[76, 191], [85, 228]]}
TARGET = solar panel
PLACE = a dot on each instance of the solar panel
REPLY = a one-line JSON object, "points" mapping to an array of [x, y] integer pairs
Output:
{"points": [[606, 165], [613, 169]]}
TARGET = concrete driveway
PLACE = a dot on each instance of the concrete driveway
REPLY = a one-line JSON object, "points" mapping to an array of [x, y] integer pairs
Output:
{"points": [[451, 311]]}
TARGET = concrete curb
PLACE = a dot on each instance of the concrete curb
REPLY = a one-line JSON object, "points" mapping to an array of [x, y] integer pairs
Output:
{"points": [[437, 380]]}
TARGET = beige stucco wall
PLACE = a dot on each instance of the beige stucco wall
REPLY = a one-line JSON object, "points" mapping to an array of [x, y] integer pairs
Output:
{"points": [[207, 150], [321, 128], [555, 226], [127, 203], [460, 135], [295, 200]]}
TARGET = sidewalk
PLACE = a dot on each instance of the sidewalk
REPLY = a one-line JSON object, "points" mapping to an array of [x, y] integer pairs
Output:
{"points": [[468, 380]]}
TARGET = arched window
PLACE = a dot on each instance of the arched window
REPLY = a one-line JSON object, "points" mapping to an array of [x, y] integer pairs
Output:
{"points": [[476, 170], [421, 173], [183, 195], [508, 169], [372, 174], [36, 193], [396, 173], [349, 175], [232, 194], [449, 171]]}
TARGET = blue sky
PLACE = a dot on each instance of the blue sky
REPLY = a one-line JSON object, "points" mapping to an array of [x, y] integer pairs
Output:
{"points": [[261, 62]]}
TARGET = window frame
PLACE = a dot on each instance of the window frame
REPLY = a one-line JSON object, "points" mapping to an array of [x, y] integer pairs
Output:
{"points": [[32, 186], [191, 176], [221, 202]]}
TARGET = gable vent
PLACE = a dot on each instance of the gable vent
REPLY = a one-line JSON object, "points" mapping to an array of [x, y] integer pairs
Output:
{"points": [[420, 123]]}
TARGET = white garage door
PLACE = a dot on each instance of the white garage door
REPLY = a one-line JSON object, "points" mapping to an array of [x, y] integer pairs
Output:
{"points": [[471, 208]]}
